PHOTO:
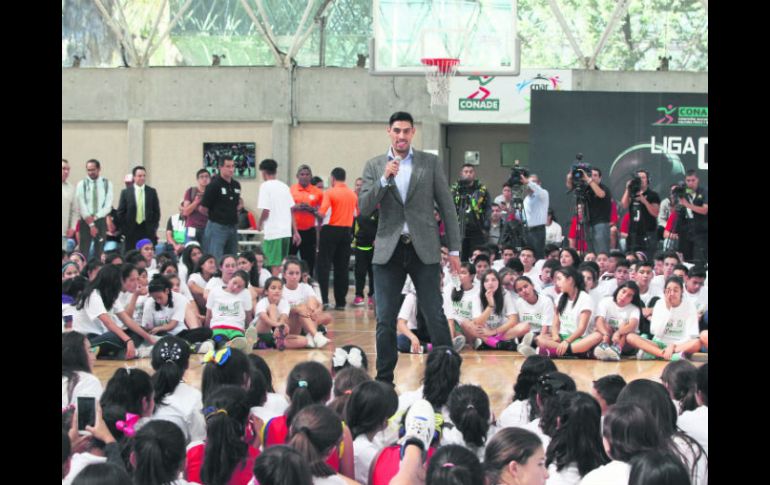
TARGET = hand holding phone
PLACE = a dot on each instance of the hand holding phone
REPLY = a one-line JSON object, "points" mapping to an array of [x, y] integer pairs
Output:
{"points": [[86, 414]]}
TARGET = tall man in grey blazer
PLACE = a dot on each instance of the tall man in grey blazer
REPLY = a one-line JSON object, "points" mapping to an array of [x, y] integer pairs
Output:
{"points": [[406, 184]]}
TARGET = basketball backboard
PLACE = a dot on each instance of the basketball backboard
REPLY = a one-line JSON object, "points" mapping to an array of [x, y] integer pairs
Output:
{"points": [[481, 33]]}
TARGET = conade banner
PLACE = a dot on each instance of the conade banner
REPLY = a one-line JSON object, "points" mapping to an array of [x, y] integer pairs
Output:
{"points": [[619, 133]]}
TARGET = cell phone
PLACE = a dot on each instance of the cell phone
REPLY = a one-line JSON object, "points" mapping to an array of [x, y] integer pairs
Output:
{"points": [[86, 413], [67, 321]]}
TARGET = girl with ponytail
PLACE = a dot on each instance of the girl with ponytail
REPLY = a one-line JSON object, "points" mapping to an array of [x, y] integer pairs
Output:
{"points": [[316, 432], [158, 454], [470, 414], [175, 400], [226, 458]]}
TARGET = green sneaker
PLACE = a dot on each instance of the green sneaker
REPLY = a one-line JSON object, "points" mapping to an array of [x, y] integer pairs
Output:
{"points": [[678, 356]]}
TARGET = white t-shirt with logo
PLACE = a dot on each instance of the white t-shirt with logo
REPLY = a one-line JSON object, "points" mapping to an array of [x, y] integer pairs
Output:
{"points": [[700, 299], [87, 321], [263, 304], [676, 325], [298, 295], [408, 311], [228, 310], [570, 316], [152, 318], [275, 196], [651, 293], [462, 310], [616, 316], [538, 315], [495, 320]]}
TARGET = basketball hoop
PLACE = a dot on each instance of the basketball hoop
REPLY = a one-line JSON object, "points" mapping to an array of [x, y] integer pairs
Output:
{"points": [[437, 73]]}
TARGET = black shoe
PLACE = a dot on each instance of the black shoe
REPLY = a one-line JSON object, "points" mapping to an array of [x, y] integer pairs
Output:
{"points": [[506, 345], [322, 329], [340, 308]]}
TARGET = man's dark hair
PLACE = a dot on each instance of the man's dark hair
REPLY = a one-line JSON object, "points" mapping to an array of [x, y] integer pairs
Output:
{"points": [[315, 179], [96, 162], [138, 167], [469, 165], [691, 173], [401, 116], [623, 263], [304, 167], [682, 267], [224, 159], [608, 387], [507, 185], [269, 165], [696, 272], [339, 174], [201, 171], [598, 170]]}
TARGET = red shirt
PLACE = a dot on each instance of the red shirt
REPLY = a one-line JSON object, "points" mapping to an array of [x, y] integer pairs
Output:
{"points": [[242, 474], [573, 235], [625, 223], [310, 195]]}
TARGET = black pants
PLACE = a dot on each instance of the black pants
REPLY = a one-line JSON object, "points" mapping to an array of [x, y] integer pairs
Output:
{"points": [[471, 241], [85, 238], [334, 249], [136, 232], [364, 267], [645, 242], [694, 245], [536, 239], [306, 248]]}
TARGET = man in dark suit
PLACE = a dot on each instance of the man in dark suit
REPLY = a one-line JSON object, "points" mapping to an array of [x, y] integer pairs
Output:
{"points": [[405, 184], [139, 210]]}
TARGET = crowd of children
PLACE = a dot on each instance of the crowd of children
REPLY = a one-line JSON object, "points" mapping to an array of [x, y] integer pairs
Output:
{"points": [[337, 426]]}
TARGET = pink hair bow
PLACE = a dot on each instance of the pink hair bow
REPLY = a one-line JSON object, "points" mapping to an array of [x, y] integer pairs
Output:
{"points": [[127, 426]]}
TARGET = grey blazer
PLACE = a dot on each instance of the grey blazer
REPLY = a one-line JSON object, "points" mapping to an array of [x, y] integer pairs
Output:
{"points": [[426, 186]]}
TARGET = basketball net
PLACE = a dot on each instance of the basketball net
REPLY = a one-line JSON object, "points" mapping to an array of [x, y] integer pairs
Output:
{"points": [[438, 71]]}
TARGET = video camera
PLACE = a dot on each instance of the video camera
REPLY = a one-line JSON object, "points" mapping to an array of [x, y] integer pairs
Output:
{"points": [[578, 168], [679, 191], [516, 172], [635, 186]]}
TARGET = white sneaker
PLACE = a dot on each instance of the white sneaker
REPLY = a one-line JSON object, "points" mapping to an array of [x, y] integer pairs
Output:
{"points": [[527, 339], [205, 347], [310, 341], [600, 353], [320, 340], [526, 350], [458, 343], [144, 351], [241, 344], [419, 426], [477, 344], [612, 353]]}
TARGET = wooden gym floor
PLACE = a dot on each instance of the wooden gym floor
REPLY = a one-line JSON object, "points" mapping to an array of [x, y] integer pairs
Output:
{"points": [[495, 371]]}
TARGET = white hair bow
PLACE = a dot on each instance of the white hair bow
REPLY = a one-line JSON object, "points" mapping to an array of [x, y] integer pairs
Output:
{"points": [[354, 357]]}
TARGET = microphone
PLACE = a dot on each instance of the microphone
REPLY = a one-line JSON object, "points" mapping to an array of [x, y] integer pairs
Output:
{"points": [[391, 182]]}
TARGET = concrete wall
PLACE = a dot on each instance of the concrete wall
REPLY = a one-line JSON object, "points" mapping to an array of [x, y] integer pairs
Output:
{"points": [[322, 116]]}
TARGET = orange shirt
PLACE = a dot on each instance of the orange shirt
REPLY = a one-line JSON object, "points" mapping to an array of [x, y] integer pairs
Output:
{"points": [[310, 195], [344, 204]]}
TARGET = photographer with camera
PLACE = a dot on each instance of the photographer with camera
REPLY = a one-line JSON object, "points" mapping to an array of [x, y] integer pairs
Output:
{"points": [[471, 200], [643, 206], [598, 203], [689, 218]]}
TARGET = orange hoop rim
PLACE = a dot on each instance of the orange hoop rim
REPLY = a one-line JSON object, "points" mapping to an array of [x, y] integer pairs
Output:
{"points": [[444, 64]]}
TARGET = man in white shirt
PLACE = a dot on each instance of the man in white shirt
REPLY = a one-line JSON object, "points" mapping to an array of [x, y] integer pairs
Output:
{"points": [[69, 208], [276, 221], [695, 291], [527, 258], [94, 197], [536, 212]]}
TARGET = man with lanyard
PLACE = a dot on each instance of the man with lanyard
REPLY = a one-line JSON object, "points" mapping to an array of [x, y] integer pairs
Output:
{"points": [[194, 217], [599, 205], [94, 195], [536, 212], [471, 199], [644, 207], [221, 203], [307, 200], [693, 229]]}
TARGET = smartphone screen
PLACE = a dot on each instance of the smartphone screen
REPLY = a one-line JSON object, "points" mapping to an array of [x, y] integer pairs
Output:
{"points": [[86, 412]]}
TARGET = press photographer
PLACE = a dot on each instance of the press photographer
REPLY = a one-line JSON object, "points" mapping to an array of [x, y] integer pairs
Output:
{"points": [[690, 223], [535, 207], [643, 205], [585, 182], [471, 200]]}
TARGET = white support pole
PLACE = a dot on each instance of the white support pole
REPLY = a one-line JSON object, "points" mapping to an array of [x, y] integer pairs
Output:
{"points": [[128, 46], [619, 12], [265, 30], [145, 59], [568, 32], [171, 26], [295, 39], [126, 27], [295, 49]]}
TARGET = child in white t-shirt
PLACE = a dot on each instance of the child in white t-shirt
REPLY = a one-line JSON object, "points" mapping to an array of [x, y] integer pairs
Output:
{"points": [[165, 310], [135, 295], [696, 422], [495, 316], [204, 271], [674, 327], [305, 311], [410, 338], [229, 310], [570, 334], [367, 411], [272, 316], [458, 303], [534, 310], [616, 317], [228, 267], [472, 421]]}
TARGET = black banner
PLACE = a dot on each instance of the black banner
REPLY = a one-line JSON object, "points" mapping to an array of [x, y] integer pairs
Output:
{"points": [[619, 133]]}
